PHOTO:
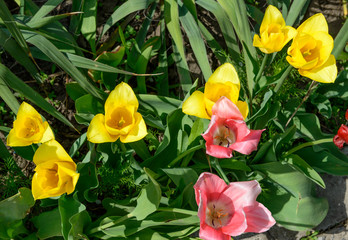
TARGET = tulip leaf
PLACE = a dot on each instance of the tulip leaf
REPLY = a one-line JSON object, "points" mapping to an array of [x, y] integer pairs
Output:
{"points": [[77, 145], [340, 40], [26, 152], [234, 164], [158, 105], [74, 90], [322, 103], [12, 211], [148, 199], [44, 10], [140, 67], [89, 22], [337, 89], [73, 216], [48, 224], [289, 196], [87, 107], [8, 97]]}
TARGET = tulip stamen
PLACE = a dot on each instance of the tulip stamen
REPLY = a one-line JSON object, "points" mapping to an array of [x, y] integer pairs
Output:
{"points": [[224, 136], [216, 216]]}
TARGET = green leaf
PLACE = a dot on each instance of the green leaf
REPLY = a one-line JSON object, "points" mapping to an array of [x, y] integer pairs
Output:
{"points": [[124, 10], [340, 40], [8, 97], [89, 22], [77, 144], [158, 105], [48, 224], [322, 103], [4, 153], [88, 106], [26, 152], [141, 149], [13, 210], [337, 89], [234, 164], [40, 23], [297, 8], [19, 86], [140, 67], [74, 90], [308, 124], [44, 10]]}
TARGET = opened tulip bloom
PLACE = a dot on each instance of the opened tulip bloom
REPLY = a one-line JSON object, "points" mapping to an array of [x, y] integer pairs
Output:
{"points": [[55, 172], [227, 131], [121, 119], [28, 128], [223, 82], [311, 49], [274, 34], [341, 137], [229, 210]]}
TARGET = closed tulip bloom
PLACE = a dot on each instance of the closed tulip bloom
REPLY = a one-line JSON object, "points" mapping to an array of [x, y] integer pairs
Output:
{"points": [[229, 210], [274, 34], [28, 128], [121, 119], [227, 131], [223, 82], [55, 172], [311, 49]]}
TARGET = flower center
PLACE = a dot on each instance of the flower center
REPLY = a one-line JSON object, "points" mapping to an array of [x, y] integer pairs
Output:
{"points": [[29, 129], [216, 215], [224, 136], [120, 118]]}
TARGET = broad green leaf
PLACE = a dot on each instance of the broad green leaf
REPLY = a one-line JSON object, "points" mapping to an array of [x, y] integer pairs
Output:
{"points": [[337, 89], [124, 10], [141, 149], [50, 19], [89, 104], [19, 86], [296, 8], [26, 152], [8, 97], [74, 90], [148, 200], [196, 41], [77, 144], [89, 22], [322, 103], [140, 67], [13, 210], [234, 164], [158, 105], [308, 124], [4, 153], [340, 40], [48, 224], [163, 84]]}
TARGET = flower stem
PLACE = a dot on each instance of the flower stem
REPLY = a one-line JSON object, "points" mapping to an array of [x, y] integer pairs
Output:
{"points": [[282, 78], [307, 144], [218, 168], [263, 64], [303, 100]]}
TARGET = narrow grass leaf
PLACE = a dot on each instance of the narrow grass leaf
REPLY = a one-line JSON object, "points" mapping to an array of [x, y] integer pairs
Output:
{"points": [[50, 19], [89, 22], [45, 9], [8, 97], [340, 40], [140, 67], [296, 7], [183, 70], [19, 86]]}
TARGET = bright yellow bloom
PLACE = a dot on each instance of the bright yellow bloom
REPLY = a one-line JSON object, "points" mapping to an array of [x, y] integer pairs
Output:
{"points": [[121, 118], [28, 128], [273, 32], [223, 82], [55, 171], [311, 49]]}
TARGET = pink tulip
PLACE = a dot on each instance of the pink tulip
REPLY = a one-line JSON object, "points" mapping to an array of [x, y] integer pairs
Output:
{"points": [[227, 131], [229, 210]]}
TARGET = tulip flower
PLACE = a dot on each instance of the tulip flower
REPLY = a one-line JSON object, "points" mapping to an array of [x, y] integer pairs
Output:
{"points": [[223, 82], [274, 34], [311, 49], [55, 172], [227, 131], [229, 210], [121, 119], [28, 128]]}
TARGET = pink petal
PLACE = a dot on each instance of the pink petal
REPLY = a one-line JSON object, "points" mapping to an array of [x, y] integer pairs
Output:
{"points": [[259, 218], [209, 233], [225, 108], [218, 151], [237, 224], [238, 127], [202, 205], [243, 193], [339, 142], [210, 184], [248, 143]]}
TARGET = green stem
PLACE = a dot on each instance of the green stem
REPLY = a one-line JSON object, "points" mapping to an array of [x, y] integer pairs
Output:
{"points": [[282, 78], [218, 168], [178, 210], [263, 64], [307, 144]]}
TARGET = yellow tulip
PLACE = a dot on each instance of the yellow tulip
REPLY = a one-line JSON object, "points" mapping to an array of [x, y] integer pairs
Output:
{"points": [[311, 49], [121, 119], [274, 34], [28, 128], [223, 82], [55, 172]]}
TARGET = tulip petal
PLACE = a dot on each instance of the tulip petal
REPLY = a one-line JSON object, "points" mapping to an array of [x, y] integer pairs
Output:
{"points": [[272, 16], [248, 143], [316, 23], [138, 131], [14, 141], [122, 95], [343, 133], [326, 73], [68, 176], [226, 73], [326, 45], [243, 193], [97, 132], [236, 225], [289, 33], [243, 108], [48, 134], [51, 151], [209, 233], [225, 108], [194, 105], [259, 218], [26, 110]]}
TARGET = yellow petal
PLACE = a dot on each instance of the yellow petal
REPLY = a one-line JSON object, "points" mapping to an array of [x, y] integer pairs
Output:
{"points": [[97, 133], [122, 95], [272, 16], [26, 110], [316, 23], [138, 131], [327, 73], [194, 105], [67, 177], [48, 134], [243, 108], [14, 141], [289, 33], [51, 151], [215, 90], [325, 45], [225, 73], [120, 120]]}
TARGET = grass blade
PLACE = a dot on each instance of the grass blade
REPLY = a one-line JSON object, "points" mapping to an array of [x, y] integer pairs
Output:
{"points": [[45, 9], [89, 22], [183, 70], [19, 86], [296, 7], [8, 97], [47, 20]]}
